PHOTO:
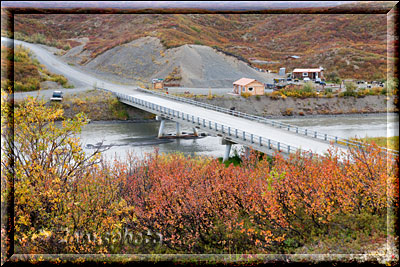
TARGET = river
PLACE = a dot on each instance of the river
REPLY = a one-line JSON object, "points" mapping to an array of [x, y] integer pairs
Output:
{"points": [[141, 138]]}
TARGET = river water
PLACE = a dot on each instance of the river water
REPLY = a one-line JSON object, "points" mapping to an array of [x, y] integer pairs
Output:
{"points": [[141, 138]]}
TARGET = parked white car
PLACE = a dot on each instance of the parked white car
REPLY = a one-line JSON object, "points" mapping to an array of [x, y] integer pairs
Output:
{"points": [[57, 96], [306, 79]]}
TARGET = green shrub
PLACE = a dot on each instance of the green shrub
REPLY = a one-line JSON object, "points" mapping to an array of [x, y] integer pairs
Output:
{"points": [[39, 38], [195, 29], [308, 87], [350, 86]]}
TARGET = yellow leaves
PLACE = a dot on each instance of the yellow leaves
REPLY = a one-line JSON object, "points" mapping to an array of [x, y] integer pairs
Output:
{"points": [[23, 220]]}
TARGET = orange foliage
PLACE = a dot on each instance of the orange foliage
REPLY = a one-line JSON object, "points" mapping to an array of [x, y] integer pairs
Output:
{"points": [[253, 208]]}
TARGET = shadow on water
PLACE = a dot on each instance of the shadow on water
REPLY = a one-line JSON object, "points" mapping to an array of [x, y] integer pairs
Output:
{"points": [[141, 141]]}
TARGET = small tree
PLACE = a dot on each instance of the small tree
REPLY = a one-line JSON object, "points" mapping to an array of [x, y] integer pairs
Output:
{"points": [[333, 77], [55, 184]]}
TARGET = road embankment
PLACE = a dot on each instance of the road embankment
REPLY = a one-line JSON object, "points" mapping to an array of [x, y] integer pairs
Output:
{"points": [[267, 106], [99, 106]]}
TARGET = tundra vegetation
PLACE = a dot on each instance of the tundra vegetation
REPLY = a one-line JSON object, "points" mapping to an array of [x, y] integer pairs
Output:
{"points": [[352, 45], [66, 201], [28, 72]]}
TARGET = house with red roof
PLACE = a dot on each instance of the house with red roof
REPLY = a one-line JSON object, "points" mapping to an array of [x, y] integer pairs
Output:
{"points": [[309, 73]]}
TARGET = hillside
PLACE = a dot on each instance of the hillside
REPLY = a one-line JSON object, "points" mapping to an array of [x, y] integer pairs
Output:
{"points": [[353, 45], [188, 65]]}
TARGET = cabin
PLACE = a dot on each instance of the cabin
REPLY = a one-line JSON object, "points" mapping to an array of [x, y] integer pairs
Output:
{"points": [[308, 73], [246, 85], [157, 84]]}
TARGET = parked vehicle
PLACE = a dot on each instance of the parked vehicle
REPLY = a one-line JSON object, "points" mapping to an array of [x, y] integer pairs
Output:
{"points": [[306, 79], [57, 96], [322, 83]]}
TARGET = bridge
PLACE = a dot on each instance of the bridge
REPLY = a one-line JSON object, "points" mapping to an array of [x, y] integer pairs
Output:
{"points": [[259, 133], [233, 127]]}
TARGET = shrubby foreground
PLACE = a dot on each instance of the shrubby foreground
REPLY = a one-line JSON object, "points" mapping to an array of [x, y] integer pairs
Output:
{"points": [[68, 202]]}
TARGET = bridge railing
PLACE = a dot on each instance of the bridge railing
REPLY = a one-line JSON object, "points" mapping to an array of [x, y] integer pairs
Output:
{"points": [[230, 132], [292, 128]]}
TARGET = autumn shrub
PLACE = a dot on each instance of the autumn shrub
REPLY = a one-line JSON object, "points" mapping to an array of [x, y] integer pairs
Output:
{"points": [[288, 112], [246, 94], [67, 201], [59, 190], [59, 79], [28, 72], [350, 89], [202, 206], [329, 95], [204, 209], [275, 95], [299, 91], [315, 193]]}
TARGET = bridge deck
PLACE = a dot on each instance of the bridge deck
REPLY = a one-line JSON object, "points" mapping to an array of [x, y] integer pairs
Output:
{"points": [[251, 127]]}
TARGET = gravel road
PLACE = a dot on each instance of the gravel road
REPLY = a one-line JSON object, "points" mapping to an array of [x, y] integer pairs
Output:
{"points": [[78, 77], [84, 80]]}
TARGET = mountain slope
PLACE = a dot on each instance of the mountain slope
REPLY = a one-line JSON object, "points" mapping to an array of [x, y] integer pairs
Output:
{"points": [[354, 45]]}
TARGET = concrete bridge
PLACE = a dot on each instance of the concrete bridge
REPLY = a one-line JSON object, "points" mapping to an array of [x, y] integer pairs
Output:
{"points": [[251, 131], [233, 127]]}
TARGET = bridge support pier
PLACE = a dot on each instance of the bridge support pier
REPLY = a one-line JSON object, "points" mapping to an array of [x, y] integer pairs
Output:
{"points": [[227, 152], [247, 152], [161, 129], [228, 146], [178, 131], [195, 133]]}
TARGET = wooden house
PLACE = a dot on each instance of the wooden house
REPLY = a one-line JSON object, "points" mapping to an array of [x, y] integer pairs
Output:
{"points": [[246, 85], [308, 73]]}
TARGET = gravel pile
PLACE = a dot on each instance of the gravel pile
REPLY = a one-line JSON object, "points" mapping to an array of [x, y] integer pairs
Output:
{"points": [[144, 59]]}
